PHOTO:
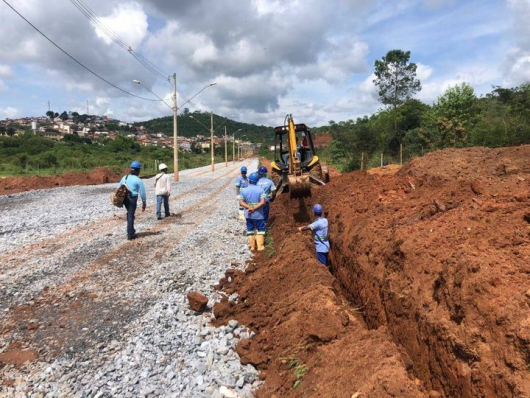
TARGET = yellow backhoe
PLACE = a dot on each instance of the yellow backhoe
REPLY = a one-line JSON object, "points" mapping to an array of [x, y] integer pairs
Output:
{"points": [[296, 166]]}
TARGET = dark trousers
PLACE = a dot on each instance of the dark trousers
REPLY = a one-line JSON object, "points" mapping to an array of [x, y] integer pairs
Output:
{"points": [[130, 203], [266, 210], [323, 258], [159, 200]]}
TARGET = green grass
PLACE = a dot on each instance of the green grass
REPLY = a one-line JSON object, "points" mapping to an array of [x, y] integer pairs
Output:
{"points": [[298, 367], [269, 245]]}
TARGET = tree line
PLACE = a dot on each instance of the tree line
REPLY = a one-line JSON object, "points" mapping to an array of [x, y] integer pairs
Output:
{"points": [[458, 118]]}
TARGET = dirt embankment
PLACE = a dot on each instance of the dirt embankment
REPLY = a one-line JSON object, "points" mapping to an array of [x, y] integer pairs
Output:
{"points": [[100, 175], [310, 341], [322, 140], [440, 256], [434, 266]]}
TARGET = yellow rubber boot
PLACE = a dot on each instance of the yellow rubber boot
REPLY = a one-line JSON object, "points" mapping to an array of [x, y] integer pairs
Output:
{"points": [[260, 239], [252, 242]]}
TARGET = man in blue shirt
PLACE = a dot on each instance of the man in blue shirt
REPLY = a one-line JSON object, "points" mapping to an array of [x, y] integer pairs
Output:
{"points": [[319, 229], [135, 187], [270, 191], [241, 183], [252, 199]]}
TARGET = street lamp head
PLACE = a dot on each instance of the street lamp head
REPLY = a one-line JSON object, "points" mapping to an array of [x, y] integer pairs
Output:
{"points": [[212, 84], [136, 81]]}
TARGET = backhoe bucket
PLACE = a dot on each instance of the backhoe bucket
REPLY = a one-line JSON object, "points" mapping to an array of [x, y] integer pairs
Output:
{"points": [[299, 186]]}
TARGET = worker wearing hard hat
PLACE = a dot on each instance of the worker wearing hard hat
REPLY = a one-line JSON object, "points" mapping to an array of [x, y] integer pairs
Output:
{"points": [[135, 188], [270, 191], [162, 191], [319, 229], [252, 199], [241, 183]]}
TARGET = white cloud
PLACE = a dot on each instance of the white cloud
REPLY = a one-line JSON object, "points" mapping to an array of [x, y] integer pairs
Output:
{"points": [[9, 112], [128, 21], [6, 72], [423, 72]]}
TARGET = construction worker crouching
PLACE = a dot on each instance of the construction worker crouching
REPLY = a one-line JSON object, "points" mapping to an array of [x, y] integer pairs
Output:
{"points": [[241, 183], [319, 229], [270, 191], [135, 187], [252, 199]]}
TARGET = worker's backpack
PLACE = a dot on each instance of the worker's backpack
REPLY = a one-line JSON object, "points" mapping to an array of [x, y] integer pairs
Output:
{"points": [[118, 196]]}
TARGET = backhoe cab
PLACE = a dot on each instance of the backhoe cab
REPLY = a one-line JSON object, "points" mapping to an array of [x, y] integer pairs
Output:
{"points": [[296, 167]]}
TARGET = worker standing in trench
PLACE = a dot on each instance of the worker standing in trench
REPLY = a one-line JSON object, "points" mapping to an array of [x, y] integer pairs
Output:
{"points": [[252, 199], [270, 191], [241, 183], [319, 229]]}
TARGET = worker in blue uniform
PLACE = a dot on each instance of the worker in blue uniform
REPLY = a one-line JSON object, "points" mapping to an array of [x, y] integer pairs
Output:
{"points": [[270, 191], [319, 230], [135, 188], [241, 183], [252, 199]]}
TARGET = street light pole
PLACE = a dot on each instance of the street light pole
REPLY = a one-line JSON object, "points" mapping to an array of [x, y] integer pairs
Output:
{"points": [[211, 140], [175, 132], [234, 148]]}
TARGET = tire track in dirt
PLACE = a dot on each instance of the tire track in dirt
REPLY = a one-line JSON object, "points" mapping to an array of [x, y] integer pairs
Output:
{"points": [[54, 322]]}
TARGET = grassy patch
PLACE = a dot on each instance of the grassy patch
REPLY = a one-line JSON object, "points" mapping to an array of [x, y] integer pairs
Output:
{"points": [[298, 367], [269, 245]]}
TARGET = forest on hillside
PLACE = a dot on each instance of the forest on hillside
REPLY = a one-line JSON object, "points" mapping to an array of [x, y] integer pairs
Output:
{"points": [[195, 123]]}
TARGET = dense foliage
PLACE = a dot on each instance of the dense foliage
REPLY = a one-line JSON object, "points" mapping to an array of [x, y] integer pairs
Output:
{"points": [[191, 124], [33, 154], [457, 119]]}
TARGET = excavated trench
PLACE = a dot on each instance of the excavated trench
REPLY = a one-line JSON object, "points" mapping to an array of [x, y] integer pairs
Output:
{"points": [[439, 258]]}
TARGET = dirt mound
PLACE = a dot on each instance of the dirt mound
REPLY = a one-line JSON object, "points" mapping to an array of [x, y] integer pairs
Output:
{"points": [[100, 175], [450, 164], [322, 140], [439, 255], [309, 341], [391, 169]]}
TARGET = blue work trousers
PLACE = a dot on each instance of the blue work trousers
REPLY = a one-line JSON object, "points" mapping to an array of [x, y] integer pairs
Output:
{"points": [[256, 224], [130, 203], [159, 200], [266, 209], [323, 258]]}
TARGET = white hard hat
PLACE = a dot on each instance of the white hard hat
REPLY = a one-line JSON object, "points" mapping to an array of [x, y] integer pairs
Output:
{"points": [[162, 166]]}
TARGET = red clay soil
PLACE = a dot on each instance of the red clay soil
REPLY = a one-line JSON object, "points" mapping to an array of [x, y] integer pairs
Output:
{"points": [[322, 140], [309, 341], [439, 254], [436, 260], [100, 175]]}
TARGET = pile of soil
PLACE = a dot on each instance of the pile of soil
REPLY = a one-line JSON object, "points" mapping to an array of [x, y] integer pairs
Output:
{"points": [[100, 175], [431, 271], [322, 140], [310, 341]]}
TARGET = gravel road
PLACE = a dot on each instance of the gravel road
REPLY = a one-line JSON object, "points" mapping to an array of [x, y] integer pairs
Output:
{"points": [[102, 316]]}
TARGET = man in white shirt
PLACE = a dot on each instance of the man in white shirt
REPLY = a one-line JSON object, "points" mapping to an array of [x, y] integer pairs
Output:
{"points": [[162, 190]]}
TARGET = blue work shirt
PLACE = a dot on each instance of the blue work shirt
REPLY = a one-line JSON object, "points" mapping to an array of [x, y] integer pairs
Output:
{"points": [[252, 195], [319, 228], [135, 185], [241, 182], [267, 186]]}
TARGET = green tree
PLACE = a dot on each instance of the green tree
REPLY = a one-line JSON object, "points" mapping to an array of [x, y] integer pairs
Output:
{"points": [[64, 116], [396, 81], [50, 114]]}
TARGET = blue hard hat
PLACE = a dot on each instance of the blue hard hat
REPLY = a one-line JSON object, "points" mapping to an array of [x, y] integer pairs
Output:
{"points": [[253, 178], [243, 169], [262, 170], [136, 165], [318, 209]]}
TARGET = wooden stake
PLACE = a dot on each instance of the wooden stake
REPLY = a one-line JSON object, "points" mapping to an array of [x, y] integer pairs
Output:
{"points": [[401, 154], [381, 159]]}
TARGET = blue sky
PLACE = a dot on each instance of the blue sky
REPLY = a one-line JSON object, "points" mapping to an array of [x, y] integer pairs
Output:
{"points": [[311, 58]]}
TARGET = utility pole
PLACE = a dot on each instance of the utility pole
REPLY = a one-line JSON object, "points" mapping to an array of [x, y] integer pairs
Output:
{"points": [[49, 108], [234, 148], [238, 150], [226, 150], [211, 140], [175, 132], [87, 110]]}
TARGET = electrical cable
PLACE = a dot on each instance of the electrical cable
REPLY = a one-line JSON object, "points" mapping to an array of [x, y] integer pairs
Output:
{"points": [[75, 60], [96, 21]]}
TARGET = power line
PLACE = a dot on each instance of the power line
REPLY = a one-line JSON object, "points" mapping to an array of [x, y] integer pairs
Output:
{"points": [[75, 60], [96, 21]]}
